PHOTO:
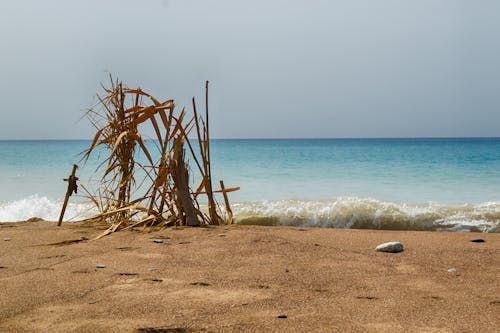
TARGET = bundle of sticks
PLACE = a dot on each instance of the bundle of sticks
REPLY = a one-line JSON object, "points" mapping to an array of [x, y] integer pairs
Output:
{"points": [[167, 197]]}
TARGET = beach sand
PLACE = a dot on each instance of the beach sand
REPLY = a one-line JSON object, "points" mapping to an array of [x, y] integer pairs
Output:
{"points": [[241, 278]]}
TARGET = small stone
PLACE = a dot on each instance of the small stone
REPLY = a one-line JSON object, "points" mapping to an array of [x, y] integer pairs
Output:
{"points": [[100, 266], [282, 316], [392, 247], [151, 269], [7, 239], [478, 240], [452, 270], [221, 235], [158, 241]]}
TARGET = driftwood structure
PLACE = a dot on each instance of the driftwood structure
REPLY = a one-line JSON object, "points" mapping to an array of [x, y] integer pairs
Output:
{"points": [[162, 195]]}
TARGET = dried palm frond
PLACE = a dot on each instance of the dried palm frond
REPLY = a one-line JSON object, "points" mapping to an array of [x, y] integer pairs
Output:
{"points": [[168, 198]]}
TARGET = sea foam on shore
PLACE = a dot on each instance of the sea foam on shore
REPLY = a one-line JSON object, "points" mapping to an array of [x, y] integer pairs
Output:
{"points": [[366, 213], [342, 212], [42, 207]]}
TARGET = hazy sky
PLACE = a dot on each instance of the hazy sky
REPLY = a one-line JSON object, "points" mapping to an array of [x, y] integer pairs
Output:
{"points": [[353, 68]]}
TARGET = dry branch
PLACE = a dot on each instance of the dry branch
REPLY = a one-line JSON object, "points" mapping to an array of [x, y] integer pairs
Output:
{"points": [[119, 118]]}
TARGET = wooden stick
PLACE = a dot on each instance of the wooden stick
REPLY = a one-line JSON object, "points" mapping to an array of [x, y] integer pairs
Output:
{"points": [[181, 183], [198, 133], [225, 190], [208, 134], [214, 218], [226, 201], [72, 187]]}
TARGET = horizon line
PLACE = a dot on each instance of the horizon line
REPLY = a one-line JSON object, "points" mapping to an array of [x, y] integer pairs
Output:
{"points": [[299, 138]]}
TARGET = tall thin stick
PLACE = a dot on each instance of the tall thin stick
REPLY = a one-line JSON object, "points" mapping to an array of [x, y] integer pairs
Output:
{"points": [[72, 187], [214, 218]]}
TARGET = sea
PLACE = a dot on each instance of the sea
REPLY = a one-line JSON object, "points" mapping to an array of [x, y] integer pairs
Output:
{"points": [[434, 184]]}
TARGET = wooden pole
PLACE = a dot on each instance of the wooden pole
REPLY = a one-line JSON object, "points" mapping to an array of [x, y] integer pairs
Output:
{"points": [[214, 218], [226, 201], [181, 183], [72, 187]]}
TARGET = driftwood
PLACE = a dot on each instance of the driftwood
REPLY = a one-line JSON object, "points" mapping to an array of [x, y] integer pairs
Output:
{"points": [[226, 201], [181, 184], [167, 198], [72, 188]]}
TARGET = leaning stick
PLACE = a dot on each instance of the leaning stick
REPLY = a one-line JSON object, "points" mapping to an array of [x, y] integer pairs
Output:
{"points": [[71, 187], [226, 201]]}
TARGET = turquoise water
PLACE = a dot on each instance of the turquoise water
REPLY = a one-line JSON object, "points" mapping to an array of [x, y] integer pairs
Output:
{"points": [[423, 184]]}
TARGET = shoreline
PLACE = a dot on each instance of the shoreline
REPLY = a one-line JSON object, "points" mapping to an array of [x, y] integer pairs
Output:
{"points": [[241, 278], [336, 213]]}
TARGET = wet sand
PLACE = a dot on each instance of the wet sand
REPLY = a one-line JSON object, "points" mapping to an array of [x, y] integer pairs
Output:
{"points": [[241, 278]]}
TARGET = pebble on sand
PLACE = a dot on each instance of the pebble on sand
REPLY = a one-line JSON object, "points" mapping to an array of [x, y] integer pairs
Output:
{"points": [[392, 247], [7, 239], [282, 316], [158, 240], [100, 266]]}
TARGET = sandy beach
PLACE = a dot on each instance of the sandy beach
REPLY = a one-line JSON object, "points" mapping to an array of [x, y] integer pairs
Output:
{"points": [[242, 278]]}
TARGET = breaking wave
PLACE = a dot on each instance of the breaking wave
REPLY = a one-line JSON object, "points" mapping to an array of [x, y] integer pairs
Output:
{"points": [[361, 213], [44, 208], [342, 212]]}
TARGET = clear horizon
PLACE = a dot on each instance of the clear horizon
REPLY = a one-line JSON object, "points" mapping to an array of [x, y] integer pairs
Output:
{"points": [[303, 138]]}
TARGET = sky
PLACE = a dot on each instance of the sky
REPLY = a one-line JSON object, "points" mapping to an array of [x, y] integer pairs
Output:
{"points": [[277, 69]]}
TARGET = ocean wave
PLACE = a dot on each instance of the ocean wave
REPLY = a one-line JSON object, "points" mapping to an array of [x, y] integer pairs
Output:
{"points": [[366, 213], [42, 207], [342, 212]]}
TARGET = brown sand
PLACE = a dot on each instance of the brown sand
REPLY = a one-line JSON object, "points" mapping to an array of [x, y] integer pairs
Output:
{"points": [[241, 278]]}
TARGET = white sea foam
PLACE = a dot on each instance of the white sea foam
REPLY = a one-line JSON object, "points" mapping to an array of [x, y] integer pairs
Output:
{"points": [[342, 212], [42, 207], [349, 212]]}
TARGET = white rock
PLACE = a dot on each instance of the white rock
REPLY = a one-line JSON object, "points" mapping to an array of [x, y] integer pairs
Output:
{"points": [[393, 247]]}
